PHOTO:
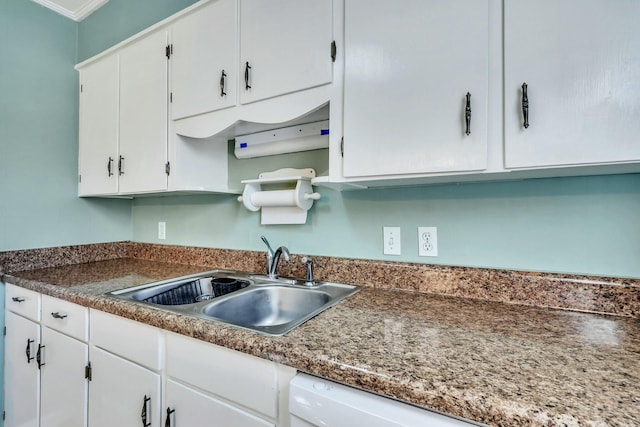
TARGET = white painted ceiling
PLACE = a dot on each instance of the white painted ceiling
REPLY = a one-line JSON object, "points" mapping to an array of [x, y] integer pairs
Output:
{"points": [[74, 9]]}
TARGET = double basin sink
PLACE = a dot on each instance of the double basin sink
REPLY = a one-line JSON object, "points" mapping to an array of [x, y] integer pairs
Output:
{"points": [[271, 306]]}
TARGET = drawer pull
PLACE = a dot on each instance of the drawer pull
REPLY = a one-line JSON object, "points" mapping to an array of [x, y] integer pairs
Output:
{"points": [[18, 299], [39, 356], [525, 106], [247, 67], [467, 115], [223, 85], [28, 351], [170, 411], [143, 414], [58, 315]]}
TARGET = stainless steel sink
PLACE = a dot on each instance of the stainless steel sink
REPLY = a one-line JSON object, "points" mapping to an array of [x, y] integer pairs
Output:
{"points": [[258, 303]]}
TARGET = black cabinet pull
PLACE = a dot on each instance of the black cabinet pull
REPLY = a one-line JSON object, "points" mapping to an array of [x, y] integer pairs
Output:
{"points": [[467, 115], [58, 315], [525, 106], [121, 166], [170, 411], [28, 351], [18, 299], [223, 78], [247, 67], [39, 356], [143, 414], [109, 166]]}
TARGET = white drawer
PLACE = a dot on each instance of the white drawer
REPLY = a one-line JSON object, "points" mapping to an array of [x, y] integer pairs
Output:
{"points": [[247, 380], [128, 339], [22, 301], [66, 317]]}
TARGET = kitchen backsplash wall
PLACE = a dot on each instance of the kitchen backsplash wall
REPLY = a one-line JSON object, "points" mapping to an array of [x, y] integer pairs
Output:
{"points": [[584, 225], [39, 137]]}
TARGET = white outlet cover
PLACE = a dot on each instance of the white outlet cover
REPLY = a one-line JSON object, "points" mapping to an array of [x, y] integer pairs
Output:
{"points": [[427, 241], [391, 240], [162, 230]]}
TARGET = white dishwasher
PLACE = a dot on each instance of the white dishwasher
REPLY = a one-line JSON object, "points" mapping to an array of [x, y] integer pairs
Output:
{"points": [[315, 402]]}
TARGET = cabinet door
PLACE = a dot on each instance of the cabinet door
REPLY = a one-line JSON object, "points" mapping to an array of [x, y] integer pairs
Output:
{"points": [[408, 67], [21, 374], [98, 148], [193, 408], [118, 391], [143, 115], [287, 44], [203, 63], [63, 385], [580, 60]]}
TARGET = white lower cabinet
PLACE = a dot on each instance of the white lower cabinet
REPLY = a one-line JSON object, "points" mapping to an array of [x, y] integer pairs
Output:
{"points": [[246, 390], [186, 406], [122, 392], [21, 374], [63, 386], [45, 359]]}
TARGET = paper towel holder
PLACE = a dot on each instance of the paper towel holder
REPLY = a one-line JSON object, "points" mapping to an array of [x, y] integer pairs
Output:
{"points": [[281, 206]]}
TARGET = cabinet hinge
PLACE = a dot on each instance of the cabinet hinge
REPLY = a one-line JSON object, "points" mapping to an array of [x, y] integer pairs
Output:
{"points": [[342, 146], [79, 178], [4, 415], [81, 88], [334, 51], [167, 168], [168, 51], [88, 372], [5, 331]]}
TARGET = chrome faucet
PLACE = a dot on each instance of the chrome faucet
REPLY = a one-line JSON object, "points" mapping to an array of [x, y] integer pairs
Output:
{"points": [[273, 258]]}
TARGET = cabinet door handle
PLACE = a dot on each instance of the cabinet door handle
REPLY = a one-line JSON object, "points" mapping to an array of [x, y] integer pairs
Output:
{"points": [[223, 78], [143, 414], [247, 67], [109, 166], [28, 351], [121, 166], [525, 106], [39, 356], [467, 115], [58, 315], [18, 299], [170, 411]]}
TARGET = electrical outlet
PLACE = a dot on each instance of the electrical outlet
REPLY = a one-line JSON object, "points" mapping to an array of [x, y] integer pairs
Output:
{"points": [[428, 241], [162, 230], [391, 240]]}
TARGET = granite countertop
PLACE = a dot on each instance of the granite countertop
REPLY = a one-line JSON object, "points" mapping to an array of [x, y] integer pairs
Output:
{"points": [[499, 364]]}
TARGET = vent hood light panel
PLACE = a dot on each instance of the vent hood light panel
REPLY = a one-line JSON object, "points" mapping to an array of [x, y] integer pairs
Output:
{"points": [[73, 9]]}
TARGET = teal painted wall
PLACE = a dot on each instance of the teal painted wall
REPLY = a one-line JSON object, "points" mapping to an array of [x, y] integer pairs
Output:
{"points": [[119, 19], [39, 137], [587, 225]]}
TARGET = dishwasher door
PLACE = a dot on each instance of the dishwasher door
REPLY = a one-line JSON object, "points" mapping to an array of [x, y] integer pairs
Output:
{"points": [[314, 402]]}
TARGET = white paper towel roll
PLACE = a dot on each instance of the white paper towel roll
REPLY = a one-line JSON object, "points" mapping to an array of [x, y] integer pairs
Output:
{"points": [[274, 198]]}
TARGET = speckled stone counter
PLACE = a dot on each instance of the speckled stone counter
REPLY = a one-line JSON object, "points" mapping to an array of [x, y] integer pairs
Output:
{"points": [[499, 364]]}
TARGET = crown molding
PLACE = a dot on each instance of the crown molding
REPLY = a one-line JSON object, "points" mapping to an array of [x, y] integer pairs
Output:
{"points": [[85, 9]]}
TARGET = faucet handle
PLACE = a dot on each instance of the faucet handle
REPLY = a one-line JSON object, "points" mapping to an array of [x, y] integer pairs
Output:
{"points": [[309, 281]]}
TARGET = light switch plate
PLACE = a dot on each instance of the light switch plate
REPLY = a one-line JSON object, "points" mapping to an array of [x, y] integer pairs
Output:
{"points": [[391, 240]]}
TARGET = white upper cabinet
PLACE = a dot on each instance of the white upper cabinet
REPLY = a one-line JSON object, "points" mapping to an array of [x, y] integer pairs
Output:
{"points": [[581, 63], [98, 156], [408, 67], [204, 60], [143, 115], [285, 46]]}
